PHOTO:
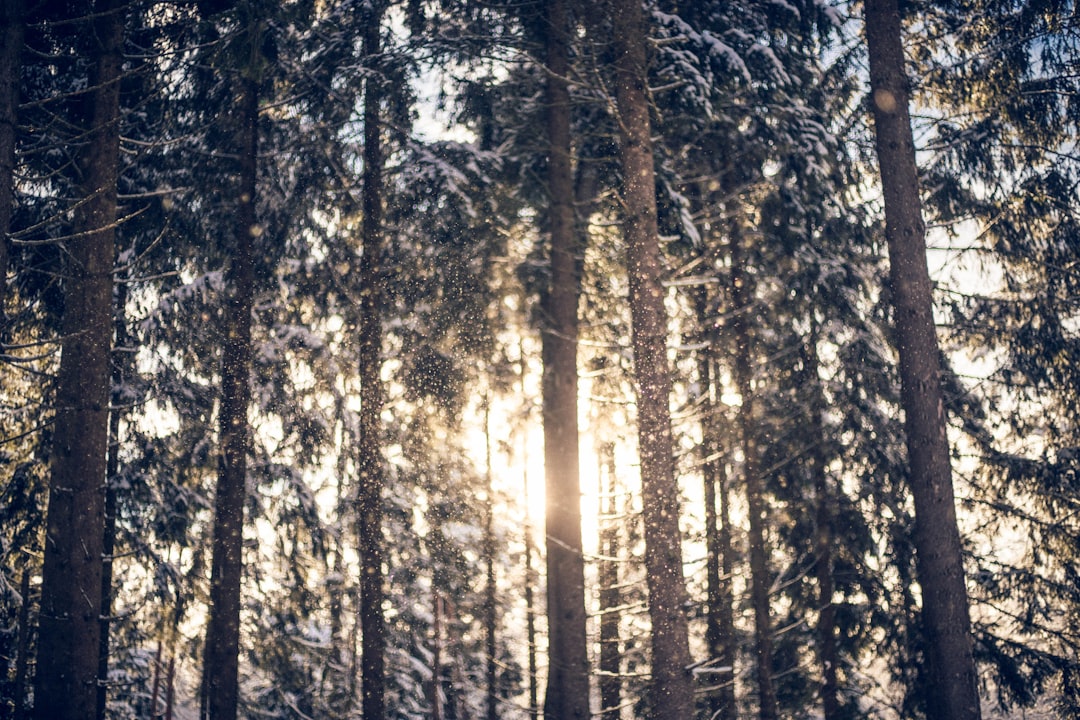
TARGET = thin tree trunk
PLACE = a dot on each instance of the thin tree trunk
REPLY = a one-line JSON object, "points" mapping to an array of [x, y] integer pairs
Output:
{"points": [[939, 556], [672, 688], [69, 626], [221, 661], [11, 20], [719, 623], [436, 658], [823, 533], [610, 594], [155, 684], [742, 296], [119, 364], [490, 606], [530, 602], [370, 460], [567, 696], [22, 651]]}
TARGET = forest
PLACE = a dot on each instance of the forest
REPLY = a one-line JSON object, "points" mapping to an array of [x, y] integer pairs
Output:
{"points": [[508, 359]]}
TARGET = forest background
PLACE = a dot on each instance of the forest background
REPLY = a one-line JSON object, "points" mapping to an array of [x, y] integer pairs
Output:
{"points": [[319, 317]]}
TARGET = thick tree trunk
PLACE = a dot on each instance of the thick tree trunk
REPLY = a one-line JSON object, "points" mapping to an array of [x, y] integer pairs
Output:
{"points": [[221, 661], [610, 594], [672, 689], [939, 558], [70, 628], [370, 461], [742, 296], [11, 22], [567, 696]]}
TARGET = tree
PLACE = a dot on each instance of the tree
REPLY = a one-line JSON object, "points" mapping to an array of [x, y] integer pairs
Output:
{"points": [[937, 538], [221, 661], [70, 628], [12, 21], [568, 679], [371, 474], [672, 690]]}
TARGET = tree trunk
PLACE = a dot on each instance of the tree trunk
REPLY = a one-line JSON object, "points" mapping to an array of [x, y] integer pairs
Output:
{"points": [[119, 365], [22, 651], [220, 664], [530, 580], [11, 20], [719, 622], [567, 696], [610, 595], [742, 297], [672, 688], [824, 537], [939, 558], [69, 627], [490, 598], [370, 460]]}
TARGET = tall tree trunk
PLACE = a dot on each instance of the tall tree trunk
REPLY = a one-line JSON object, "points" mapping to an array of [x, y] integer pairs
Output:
{"points": [[119, 364], [490, 599], [610, 594], [370, 460], [221, 660], [11, 20], [824, 535], [22, 648], [530, 580], [742, 296], [719, 622], [672, 688], [939, 558], [567, 696], [69, 627]]}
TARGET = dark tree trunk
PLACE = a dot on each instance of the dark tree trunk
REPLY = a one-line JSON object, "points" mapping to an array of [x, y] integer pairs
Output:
{"points": [[672, 688], [939, 558], [220, 664], [22, 651], [11, 22], [719, 621], [567, 696], [742, 296], [69, 626], [370, 460], [610, 594]]}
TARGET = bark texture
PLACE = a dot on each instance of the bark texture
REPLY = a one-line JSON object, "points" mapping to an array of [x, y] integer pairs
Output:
{"points": [[567, 696], [220, 664], [939, 558], [672, 688], [369, 452], [69, 622]]}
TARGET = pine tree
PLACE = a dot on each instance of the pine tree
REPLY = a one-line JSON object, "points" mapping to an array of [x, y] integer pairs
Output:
{"points": [[70, 629], [568, 680], [672, 693], [937, 537]]}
